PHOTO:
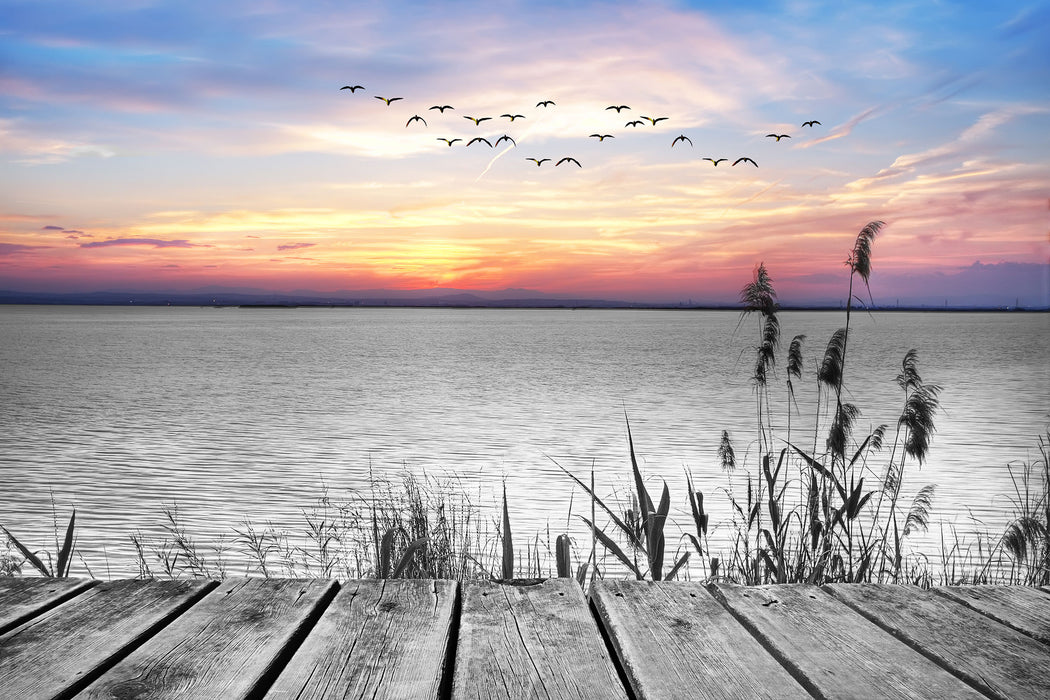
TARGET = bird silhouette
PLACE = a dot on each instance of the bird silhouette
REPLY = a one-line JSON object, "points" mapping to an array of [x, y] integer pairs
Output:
{"points": [[442, 108], [512, 117], [545, 103], [416, 118], [506, 138], [636, 122], [449, 141], [601, 137], [657, 119], [777, 136], [388, 100], [810, 123], [477, 120], [716, 161], [478, 138], [617, 107], [352, 88], [745, 160], [568, 160], [681, 137], [538, 161]]}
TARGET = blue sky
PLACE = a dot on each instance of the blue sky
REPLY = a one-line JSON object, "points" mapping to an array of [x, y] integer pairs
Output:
{"points": [[174, 145]]}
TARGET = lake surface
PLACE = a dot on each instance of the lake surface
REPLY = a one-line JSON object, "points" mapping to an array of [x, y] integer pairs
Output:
{"points": [[235, 413]]}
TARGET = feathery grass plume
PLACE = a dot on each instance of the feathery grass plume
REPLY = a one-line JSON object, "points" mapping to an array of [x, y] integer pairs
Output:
{"points": [[860, 258], [759, 296], [842, 429], [917, 418], [908, 378], [726, 455], [794, 363], [830, 372], [919, 513]]}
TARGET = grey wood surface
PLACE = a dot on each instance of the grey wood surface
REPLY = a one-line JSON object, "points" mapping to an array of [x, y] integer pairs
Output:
{"points": [[377, 639], [1023, 608], [531, 641], [23, 598], [999, 661], [677, 641], [225, 646], [68, 645], [833, 650]]}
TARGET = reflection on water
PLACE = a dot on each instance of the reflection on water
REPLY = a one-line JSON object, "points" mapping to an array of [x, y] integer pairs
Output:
{"points": [[233, 413]]}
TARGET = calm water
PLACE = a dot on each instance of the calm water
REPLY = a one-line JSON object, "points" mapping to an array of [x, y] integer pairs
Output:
{"points": [[235, 412]]}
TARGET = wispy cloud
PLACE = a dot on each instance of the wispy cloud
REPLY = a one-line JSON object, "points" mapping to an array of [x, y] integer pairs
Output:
{"points": [[153, 242], [295, 246]]}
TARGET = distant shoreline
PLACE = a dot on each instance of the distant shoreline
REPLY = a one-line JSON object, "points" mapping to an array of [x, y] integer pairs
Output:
{"points": [[546, 306]]}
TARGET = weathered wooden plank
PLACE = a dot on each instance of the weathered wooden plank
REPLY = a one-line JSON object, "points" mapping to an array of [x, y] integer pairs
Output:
{"points": [[1023, 608], [228, 645], [64, 648], [999, 661], [676, 640], [834, 651], [377, 639], [23, 598], [531, 641]]}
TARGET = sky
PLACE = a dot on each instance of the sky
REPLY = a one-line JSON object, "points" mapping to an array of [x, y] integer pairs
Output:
{"points": [[180, 145]]}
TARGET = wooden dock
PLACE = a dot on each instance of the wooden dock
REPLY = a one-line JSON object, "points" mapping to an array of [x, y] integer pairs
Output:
{"points": [[272, 638]]}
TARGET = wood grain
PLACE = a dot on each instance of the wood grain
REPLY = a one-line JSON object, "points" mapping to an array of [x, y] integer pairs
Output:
{"points": [[676, 640], [377, 639], [23, 598], [531, 641], [224, 647], [1023, 608], [834, 651], [62, 649], [998, 660]]}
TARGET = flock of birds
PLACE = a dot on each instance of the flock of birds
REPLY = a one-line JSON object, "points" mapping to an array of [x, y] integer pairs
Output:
{"points": [[634, 123]]}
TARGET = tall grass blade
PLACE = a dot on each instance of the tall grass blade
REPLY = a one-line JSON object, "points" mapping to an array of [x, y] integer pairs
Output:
{"points": [[611, 545], [66, 552], [406, 557], [507, 568]]}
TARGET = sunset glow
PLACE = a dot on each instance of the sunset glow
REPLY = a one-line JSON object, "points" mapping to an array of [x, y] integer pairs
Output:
{"points": [[173, 146]]}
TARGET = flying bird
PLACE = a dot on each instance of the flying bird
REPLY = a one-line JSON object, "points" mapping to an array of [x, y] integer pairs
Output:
{"points": [[601, 137], [657, 119], [477, 120], [416, 118], [388, 100], [636, 122], [777, 136], [681, 137], [449, 141], [568, 160], [506, 138], [352, 88], [617, 107], [478, 138], [716, 161], [512, 117], [810, 123], [442, 108], [545, 103], [538, 161], [745, 160]]}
